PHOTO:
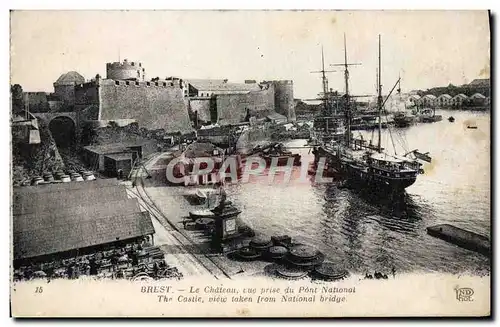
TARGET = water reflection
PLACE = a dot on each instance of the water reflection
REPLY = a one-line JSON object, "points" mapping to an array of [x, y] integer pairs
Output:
{"points": [[369, 231]]}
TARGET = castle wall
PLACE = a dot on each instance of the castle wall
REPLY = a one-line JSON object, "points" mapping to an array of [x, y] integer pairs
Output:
{"points": [[66, 93], [87, 101], [55, 106], [232, 108], [153, 105], [283, 99], [37, 101]]}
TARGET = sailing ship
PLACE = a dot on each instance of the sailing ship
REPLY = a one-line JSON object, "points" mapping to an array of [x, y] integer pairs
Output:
{"points": [[368, 165]]}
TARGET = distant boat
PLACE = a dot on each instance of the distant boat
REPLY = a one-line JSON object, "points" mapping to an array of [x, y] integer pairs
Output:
{"points": [[429, 116], [451, 119], [471, 126], [402, 119]]}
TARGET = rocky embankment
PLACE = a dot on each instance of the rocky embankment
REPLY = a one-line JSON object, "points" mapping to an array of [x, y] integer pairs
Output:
{"points": [[29, 160]]}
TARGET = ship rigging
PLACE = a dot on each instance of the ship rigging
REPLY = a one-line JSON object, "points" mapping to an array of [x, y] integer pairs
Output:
{"points": [[365, 165]]}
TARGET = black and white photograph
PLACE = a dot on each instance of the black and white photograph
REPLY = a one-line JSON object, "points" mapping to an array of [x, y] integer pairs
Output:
{"points": [[250, 163]]}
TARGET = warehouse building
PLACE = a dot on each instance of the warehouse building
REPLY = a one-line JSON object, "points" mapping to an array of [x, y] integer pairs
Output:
{"points": [[58, 221]]}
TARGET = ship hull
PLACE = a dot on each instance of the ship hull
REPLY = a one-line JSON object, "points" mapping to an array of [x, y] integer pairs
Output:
{"points": [[363, 178], [359, 179]]}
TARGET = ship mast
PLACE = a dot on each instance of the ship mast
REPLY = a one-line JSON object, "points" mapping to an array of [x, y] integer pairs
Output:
{"points": [[379, 98], [348, 101], [347, 96], [324, 79]]}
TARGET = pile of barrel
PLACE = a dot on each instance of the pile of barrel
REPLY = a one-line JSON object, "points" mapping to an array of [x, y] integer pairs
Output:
{"points": [[63, 177], [293, 260]]}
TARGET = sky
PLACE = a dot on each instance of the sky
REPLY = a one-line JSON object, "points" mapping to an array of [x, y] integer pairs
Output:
{"points": [[425, 48]]}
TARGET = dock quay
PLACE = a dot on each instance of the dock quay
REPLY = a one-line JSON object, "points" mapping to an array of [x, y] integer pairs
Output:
{"points": [[461, 237], [241, 256]]}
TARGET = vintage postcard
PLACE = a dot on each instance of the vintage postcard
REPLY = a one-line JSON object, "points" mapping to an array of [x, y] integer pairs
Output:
{"points": [[250, 163]]}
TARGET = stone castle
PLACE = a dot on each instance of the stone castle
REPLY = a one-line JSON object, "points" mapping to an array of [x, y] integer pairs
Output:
{"points": [[169, 104]]}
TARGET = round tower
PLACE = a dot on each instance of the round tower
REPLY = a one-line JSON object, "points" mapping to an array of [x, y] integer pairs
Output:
{"points": [[126, 70], [283, 99], [64, 87]]}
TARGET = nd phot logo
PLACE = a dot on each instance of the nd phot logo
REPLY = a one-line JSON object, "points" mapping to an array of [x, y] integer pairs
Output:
{"points": [[464, 294]]}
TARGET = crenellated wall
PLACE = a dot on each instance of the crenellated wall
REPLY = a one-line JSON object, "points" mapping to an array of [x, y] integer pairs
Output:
{"points": [[160, 104], [153, 105], [37, 101], [232, 108], [86, 95]]}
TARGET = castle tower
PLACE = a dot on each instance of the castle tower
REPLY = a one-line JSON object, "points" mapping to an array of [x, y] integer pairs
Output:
{"points": [[64, 87], [126, 70], [283, 99]]}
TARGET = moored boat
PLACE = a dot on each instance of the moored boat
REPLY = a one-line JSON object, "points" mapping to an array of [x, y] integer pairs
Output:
{"points": [[403, 119], [276, 154], [429, 116]]}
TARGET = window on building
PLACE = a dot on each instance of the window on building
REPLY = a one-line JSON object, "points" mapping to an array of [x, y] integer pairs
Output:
{"points": [[127, 82], [137, 83], [117, 82], [164, 84], [156, 83], [148, 83]]}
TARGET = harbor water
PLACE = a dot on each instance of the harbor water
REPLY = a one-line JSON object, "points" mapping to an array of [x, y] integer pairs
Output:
{"points": [[370, 232]]}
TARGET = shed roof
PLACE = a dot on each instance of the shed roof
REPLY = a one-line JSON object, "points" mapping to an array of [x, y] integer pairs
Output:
{"points": [[447, 96], [77, 211], [114, 147], [66, 218], [69, 234], [460, 95], [477, 96], [120, 156], [38, 202]]}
